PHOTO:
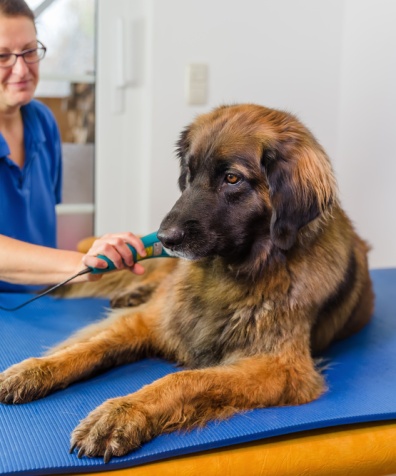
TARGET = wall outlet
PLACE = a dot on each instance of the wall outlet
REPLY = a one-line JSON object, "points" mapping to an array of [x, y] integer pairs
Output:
{"points": [[197, 84]]}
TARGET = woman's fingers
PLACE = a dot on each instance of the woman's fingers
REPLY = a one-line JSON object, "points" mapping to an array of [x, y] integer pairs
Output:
{"points": [[115, 248]]}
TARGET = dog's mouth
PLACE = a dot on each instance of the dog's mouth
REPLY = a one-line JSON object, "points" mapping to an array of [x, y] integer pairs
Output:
{"points": [[184, 252], [181, 254]]}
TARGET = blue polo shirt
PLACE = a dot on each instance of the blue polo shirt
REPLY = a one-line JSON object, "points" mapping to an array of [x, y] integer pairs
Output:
{"points": [[28, 196]]}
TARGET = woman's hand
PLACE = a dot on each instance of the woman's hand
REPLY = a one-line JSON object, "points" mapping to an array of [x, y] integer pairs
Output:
{"points": [[114, 247]]}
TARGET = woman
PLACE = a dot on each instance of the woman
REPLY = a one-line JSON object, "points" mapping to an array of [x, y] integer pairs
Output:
{"points": [[30, 170], [30, 147]]}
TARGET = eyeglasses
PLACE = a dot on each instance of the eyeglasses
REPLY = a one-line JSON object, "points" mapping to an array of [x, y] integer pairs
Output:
{"points": [[30, 56]]}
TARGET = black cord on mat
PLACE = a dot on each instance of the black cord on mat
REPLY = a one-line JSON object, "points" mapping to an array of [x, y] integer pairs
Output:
{"points": [[84, 271]]}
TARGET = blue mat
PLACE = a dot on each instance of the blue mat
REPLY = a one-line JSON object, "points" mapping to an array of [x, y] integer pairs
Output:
{"points": [[35, 437]]}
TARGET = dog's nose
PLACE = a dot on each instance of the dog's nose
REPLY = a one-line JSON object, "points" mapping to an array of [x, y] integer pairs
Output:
{"points": [[171, 237]]}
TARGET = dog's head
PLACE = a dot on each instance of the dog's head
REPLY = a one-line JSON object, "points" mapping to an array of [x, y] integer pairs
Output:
{"points": [[249, 175]]}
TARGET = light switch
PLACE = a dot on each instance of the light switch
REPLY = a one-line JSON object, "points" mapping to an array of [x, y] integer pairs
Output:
{"points": [[197, 83]]}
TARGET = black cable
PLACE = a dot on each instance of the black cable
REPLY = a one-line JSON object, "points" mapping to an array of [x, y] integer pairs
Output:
{"points": [[84, 271]]}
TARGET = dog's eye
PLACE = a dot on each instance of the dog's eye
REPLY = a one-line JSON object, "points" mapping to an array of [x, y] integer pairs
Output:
{"points": [[232, 179]]}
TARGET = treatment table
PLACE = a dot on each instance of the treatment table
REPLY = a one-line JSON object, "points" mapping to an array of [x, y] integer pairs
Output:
{"points": [[350, 430]]}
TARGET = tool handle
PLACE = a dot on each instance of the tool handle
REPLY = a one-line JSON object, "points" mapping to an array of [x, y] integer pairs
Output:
{"points": [[154, 249]]}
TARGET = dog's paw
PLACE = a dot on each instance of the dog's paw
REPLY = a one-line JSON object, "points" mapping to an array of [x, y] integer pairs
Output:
{"points": [[115, 428], [132, 298], [24, 382]]}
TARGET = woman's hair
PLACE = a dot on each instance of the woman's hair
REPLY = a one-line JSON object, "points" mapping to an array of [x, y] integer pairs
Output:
{"points": [[14, 8]]}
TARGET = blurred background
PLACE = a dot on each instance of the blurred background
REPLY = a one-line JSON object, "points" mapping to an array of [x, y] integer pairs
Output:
{"points": [[67, 86], [125, 76]]}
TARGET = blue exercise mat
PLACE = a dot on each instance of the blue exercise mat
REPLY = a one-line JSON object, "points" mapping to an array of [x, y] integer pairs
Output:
{"points": [[34, 438]]}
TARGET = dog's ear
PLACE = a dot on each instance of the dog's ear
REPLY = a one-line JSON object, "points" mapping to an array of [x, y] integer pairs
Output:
{"points": [[183, 144], [182, 147], [301, 184]]}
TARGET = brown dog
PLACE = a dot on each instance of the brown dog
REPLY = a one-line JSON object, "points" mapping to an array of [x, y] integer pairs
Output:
{"points": [[273, 272]]}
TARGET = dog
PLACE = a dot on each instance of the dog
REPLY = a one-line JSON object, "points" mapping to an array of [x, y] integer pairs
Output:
{"points": [[270, 273]]}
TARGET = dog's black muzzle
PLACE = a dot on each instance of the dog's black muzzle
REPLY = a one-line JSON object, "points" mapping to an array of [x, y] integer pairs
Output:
{"points": [[187, 230]]}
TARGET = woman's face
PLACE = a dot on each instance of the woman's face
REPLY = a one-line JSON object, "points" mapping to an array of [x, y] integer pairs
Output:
{"points": [[18, 82]]}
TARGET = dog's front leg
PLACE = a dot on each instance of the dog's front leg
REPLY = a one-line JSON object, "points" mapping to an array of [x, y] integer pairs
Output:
{"points": [[119, 339], [188, 399]]}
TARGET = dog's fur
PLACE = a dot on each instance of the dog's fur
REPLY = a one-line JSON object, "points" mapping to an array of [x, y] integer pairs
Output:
{"points": [[273, 273]]}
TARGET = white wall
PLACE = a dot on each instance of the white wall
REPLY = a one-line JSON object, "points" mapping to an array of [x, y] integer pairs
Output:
{"points": [[366, 160], [123, 118], [304, 56]]}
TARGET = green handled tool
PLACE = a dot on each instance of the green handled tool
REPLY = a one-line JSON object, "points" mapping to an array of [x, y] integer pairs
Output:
{"points": [[154, 249]]}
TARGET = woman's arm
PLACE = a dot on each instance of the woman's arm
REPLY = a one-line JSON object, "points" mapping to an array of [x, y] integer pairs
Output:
{"points": [[24, 263]]}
